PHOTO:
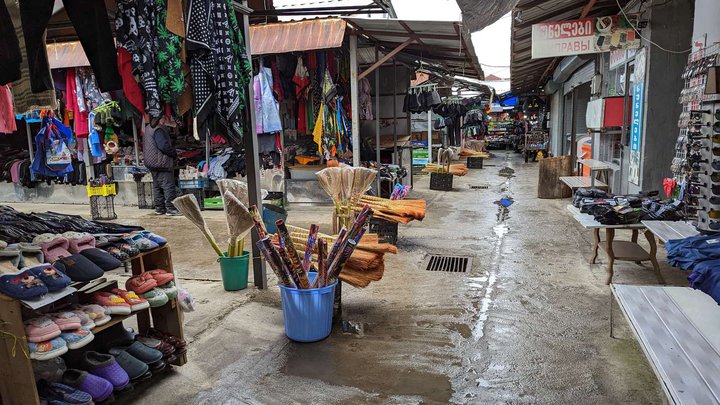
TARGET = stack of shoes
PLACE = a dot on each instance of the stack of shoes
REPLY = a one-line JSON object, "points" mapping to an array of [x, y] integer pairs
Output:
{"points": [[156, 286], [72, 330], [117, 247], [113, 304], [57, 393], [52, 336], [33, 283], [99, 388], [30, 254], [150, 357], [136, 302], [105, 366], [97, 314]]}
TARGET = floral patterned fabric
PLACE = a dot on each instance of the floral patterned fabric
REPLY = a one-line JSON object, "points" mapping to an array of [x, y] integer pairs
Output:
{"points": [[171, 81]]}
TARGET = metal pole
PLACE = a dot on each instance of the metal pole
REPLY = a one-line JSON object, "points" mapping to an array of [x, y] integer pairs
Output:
{"points": [[395, 135], [429, 114], [251, 162], [30, 141], [135, 142], [377, 118], [354, 97]]}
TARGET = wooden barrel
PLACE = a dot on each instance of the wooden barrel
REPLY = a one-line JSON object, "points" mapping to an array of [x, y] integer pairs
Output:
{"points": [[551, 169]]}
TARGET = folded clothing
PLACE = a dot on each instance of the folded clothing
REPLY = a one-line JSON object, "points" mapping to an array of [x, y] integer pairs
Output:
{"points": [[706, 278], [688, 252]]}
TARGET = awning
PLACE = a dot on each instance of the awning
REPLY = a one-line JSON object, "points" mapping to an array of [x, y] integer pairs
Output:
{"points": [[478, 14], [296, 36], [66, 55], [527, 74], [444, 43]]}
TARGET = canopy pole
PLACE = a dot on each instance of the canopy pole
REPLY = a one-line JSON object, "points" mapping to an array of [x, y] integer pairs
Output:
{"points": [[354, 103], [377, 119], [30, 141], [251, 162], [135, 142], [429, 115], [395, 135]]}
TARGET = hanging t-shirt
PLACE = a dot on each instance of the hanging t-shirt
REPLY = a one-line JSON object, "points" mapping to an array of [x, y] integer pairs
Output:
{"points": [[7, 115], [270, 108]]}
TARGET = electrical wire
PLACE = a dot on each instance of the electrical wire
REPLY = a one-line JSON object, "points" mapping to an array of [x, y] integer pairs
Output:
{"points": [[637, 31]]}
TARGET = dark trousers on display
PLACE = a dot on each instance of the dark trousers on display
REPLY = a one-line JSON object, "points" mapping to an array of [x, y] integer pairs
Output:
{"points": [[164, 190], [91, 23]]}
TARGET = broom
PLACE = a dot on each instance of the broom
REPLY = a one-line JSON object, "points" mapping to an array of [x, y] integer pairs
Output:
{"points": [[239, 222], [362, 179], [236, 187], [188, 206]]}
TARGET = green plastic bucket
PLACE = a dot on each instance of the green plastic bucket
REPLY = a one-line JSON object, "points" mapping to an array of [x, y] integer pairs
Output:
{"points": [[234, 271]]}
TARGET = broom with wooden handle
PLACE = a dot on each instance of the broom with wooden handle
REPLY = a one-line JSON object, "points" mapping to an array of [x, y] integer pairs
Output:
{"points": [[189, 207], [239, 220]]}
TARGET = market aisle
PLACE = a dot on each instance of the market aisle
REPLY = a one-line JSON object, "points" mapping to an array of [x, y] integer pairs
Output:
{"points": [[528, 324]]}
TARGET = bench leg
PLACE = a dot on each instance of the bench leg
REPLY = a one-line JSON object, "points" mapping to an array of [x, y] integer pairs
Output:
{"points": [[653, 251], [634, 240], [609, 236], [596, 245]]}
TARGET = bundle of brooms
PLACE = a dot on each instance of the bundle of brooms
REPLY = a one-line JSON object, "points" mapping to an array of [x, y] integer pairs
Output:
{"points": [[473, 153], [400, 211], [365, 265], [292, 270], [458, 169]]}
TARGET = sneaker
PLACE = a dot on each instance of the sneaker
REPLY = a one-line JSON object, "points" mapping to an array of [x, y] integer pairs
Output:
{"points": [[63, 394], [113, 304], [99, 388], [41, 329], [156, 297], [159, 212], [173, 213], [76, 339], [169, 289], [66, 320], [136, 302], [48, 349], [105, 366], [96, 313]]}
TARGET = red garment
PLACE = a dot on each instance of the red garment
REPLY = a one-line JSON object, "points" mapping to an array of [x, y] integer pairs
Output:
{"points": [[277, 87], [80, 119], [130, 85], [7, 113], [301, 81], [311, 60]]}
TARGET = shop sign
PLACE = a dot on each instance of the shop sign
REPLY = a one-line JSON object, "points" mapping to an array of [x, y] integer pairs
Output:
{"points": [[637, 118], [586, 35], [617, 58], [420, 156]]}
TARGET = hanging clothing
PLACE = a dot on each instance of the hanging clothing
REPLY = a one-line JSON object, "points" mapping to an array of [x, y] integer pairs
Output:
{"points": [[270, 109], [219, 67], [24, 99], [257, 104], [171, 79], [93, 98], [89, 18], [301, 79], [7, 115], [135, 29], [365, 100], [131, 88], [74, 100], [10, 56]]}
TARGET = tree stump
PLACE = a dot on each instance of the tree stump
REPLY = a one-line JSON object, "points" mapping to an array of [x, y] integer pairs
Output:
{"points": [[551, 169]]}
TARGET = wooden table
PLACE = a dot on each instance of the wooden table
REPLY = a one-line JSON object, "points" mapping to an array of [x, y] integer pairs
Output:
{"points": [[597, 166], [626, 251], [575, 182], [668, 230], [678, 328]]}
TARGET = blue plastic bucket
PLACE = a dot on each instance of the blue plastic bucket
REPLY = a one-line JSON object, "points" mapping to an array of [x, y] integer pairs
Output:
{"points": [[272, 213], [308, 313]]}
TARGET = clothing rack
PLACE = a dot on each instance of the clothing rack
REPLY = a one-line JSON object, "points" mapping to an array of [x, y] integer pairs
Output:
{"points": [[422, 87]]}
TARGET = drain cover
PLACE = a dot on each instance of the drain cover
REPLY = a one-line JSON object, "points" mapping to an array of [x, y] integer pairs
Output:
{"points": [[452, 264], [481, 187]]}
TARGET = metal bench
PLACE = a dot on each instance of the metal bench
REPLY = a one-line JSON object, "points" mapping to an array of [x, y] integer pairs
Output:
{"points": [[679, 330]]}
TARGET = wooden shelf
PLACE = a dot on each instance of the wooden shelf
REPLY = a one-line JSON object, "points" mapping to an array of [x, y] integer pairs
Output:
{"points": [[115, 319]]}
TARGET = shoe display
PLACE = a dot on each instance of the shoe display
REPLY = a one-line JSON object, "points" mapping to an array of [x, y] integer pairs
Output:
{"points": [[105, 366], [102, 259], [22, 286], [99, 388], [154, 237], [96, 313], [135, 369], [66, 320], [114, 305], [141, 283], [54, 279], [85, 320], [141, 242], [41, 329], [156, 297], [160, 276], [169, 289], [136, 302], [48, 349], [63, 394], [78, 338], [139, 351]]}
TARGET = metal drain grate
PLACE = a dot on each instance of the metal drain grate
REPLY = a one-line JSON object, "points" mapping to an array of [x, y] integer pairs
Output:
{"points": [[451, 264], [485, 187]]}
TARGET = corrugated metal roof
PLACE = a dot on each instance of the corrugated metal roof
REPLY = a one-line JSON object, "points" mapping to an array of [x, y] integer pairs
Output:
{"points": [[478, 14], [445, 43], [529, 74], [294, 36]]}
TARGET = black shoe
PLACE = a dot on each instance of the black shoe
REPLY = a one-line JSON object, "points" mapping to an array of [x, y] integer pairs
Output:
{"points": [[173, 213], [159, 212]]}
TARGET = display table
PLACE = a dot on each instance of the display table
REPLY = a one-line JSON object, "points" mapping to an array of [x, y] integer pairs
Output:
{"points": [[669, 230], [627, 251], [597, 167], [575, 182], [17, 381], [679, 330]]}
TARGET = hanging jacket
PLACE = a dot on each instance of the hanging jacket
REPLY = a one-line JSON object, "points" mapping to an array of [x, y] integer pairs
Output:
{"points": [[158, 151]]}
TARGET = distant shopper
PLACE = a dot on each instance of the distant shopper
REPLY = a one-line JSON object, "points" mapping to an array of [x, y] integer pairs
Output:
{"points": [[160, 154]]}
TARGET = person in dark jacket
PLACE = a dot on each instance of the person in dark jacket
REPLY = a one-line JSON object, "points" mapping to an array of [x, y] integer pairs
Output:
{"points": [[160, 154]]}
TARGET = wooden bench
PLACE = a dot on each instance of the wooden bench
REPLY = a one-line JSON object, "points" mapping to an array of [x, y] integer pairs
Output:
{"points": [[575, 182], [669, 230], [679, 330]]}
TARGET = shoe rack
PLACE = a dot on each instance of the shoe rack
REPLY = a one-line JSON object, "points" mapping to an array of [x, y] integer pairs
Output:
{"points": [[17, 381]]}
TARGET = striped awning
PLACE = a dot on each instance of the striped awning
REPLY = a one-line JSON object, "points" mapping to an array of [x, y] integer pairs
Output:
{"points": [[295, 36]]}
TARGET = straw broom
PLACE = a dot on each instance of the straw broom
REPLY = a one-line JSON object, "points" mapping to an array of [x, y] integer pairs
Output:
{"points": [[239, 222], [189, 207]]}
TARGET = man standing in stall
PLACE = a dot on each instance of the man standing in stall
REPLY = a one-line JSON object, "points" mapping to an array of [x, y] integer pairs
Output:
{"points": [[159, 155]]}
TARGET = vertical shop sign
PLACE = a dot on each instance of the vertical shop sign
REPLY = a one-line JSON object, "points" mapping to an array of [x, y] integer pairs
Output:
{"points": [[637, 119]]}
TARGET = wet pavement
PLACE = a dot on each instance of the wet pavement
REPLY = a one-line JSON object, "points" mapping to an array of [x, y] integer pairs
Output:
{"points": [[528, 323]]}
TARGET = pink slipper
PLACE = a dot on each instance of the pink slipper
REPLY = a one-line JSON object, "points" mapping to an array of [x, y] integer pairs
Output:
{"points": [[66, 320], [141, 283], [161, 276], [79, 244], [55, 249], [41, 329]]}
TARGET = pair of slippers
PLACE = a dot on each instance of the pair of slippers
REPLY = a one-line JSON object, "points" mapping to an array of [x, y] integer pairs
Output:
{"points": [[55, 247], [34, 282], [19, 255]]}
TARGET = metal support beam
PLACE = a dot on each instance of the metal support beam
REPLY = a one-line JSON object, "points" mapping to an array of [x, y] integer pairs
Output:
{"points": [[252, 164], [135, 142], [395, 134], [354, 100], [385, 58], [377, 118]]}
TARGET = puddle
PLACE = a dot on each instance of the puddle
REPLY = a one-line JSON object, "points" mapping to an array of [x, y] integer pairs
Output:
{"points": [[461, 328]]}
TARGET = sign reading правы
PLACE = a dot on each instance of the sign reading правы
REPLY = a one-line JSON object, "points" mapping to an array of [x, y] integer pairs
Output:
{"points": [[586, 35]]}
